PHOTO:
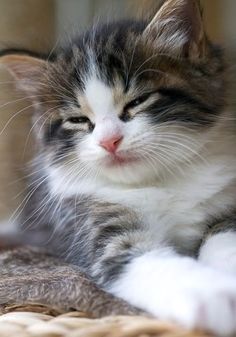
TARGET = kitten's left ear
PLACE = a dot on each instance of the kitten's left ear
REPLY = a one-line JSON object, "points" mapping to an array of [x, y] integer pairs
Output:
{"points": [[178, 28], [25, 69]]}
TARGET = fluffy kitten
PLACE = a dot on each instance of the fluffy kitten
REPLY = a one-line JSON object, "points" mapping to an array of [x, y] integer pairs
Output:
{"points": [[135, 176]]}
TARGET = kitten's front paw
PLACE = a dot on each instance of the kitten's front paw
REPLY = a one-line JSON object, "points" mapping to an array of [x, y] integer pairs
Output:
{"points": [[210, 307], [181, 290]]}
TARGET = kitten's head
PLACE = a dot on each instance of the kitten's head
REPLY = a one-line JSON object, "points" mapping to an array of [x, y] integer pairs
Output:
{"points": [[131, 101]]}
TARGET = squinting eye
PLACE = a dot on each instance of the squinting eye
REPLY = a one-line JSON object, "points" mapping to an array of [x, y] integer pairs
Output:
{"points": [[81, 120], [126, 116], [78, 120], [137, 101]]}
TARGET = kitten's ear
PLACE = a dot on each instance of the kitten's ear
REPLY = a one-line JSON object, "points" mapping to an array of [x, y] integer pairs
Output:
{"points": [[178, 27], [25, 69]]}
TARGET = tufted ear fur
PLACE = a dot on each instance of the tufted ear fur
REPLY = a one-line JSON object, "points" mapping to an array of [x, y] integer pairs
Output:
{"points": [[178, 27], [25, 69]]}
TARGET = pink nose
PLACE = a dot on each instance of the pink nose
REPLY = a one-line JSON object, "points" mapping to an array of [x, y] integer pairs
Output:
{"points": [[111, 144]]}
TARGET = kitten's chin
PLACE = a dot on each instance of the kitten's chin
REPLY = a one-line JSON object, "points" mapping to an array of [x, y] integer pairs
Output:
{"points": [[129, 171], [115, 161]]}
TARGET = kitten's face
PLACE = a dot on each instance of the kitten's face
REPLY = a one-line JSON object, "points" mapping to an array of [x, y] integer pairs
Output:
{"points": [[131, 136], [122, 103]]}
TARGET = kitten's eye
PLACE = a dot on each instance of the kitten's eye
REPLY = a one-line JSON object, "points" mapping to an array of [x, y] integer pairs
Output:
{"points": [[81, 120], [137, 101], [78, 120], [125, 116]]}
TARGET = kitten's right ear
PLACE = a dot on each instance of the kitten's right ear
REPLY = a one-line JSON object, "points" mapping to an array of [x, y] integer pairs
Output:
{"points": [[25, 69]]}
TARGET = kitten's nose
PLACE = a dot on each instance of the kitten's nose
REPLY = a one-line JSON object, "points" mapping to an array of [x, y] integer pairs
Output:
{"points": [[111, 144]]}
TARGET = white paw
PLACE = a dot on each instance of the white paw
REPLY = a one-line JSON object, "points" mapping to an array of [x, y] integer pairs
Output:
{"points": [[209, 307], [219, 251], [181, 290]]}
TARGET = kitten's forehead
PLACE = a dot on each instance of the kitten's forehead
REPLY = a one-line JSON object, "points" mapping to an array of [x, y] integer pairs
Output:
{"points": [[99, 99]]}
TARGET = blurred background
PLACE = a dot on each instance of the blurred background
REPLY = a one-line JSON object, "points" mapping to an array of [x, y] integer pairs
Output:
{"points": [[40, 25]]}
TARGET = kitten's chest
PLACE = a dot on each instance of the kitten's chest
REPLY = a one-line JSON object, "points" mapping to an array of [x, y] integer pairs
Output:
{"points": [[168, 214], [167, 207], [181, 208]]}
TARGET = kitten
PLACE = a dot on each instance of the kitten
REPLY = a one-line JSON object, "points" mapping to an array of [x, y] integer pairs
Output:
{"points": [[135, 179]]}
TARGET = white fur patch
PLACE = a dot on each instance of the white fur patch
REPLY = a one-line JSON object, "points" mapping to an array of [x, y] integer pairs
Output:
{"points": [[219, 251], [181, 290], [100, 99]]}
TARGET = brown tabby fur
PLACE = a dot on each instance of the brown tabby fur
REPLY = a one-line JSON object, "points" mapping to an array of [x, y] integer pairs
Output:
{"points": [[29, 276]]}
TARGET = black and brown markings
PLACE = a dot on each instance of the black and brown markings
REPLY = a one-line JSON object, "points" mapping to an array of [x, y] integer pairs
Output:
{"points": [[104, 240]]}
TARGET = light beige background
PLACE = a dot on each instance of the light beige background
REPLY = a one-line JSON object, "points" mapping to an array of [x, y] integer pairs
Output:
{"points": [[39, 25], [24, 24]]}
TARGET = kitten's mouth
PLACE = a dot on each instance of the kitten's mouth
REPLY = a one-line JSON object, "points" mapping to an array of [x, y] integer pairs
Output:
{"points": [[120, 160]]}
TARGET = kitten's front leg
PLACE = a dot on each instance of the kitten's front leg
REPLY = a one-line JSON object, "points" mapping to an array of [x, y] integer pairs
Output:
{"points": [[179, 289], [119, 253], [219, 248]]}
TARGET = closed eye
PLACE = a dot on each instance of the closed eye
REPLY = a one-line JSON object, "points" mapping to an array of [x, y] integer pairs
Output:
{"points": [[126, 116], [137, 101], [81, 120], [78, 120]]}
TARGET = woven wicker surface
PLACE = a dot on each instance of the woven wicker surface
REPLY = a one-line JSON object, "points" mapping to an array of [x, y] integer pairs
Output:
{"points": [[42, 321]]}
